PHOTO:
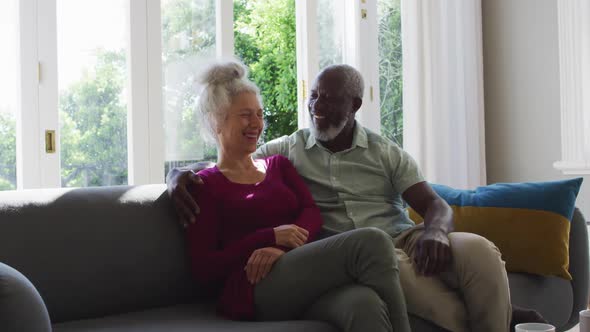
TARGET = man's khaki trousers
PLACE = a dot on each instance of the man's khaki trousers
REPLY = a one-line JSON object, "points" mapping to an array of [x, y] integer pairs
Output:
{"points": [[473, 295]]}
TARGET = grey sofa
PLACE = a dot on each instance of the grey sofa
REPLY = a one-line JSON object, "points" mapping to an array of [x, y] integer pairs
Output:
{"points": [[113, 259]]}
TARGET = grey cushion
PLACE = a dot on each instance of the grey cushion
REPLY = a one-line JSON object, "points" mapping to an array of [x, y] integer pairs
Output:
{"points": [[185, 318], [201, 317], [96, 251], [551, 296]]}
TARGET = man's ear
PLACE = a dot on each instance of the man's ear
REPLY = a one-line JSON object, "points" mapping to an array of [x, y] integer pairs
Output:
{"points": [[356, 103]]}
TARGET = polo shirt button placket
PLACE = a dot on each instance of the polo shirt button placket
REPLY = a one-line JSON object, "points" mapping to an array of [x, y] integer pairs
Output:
{"points": [[332, 166]]}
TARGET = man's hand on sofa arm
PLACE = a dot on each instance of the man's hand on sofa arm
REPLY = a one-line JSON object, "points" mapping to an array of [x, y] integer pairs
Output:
{"points": [[178, 182]]}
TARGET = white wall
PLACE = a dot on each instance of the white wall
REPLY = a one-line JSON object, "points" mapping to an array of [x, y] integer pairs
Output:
{"points": [[521, 84]]}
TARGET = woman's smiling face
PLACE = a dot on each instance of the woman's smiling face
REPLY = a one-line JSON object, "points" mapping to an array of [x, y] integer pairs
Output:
{"points": [[243, 125]]}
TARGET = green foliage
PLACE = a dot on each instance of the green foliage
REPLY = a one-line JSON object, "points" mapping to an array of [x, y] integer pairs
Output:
{"points": [[265, 40], [7, 151], [390, 70], [93, 125]]}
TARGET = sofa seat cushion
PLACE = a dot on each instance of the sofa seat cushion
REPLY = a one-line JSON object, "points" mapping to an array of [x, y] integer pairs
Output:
{"points": [[184, 318], [551, 296], [201, 317]]}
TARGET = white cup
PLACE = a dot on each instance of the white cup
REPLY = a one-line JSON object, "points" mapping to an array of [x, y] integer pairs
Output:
{"points": [[534, 327], [585, 320]]}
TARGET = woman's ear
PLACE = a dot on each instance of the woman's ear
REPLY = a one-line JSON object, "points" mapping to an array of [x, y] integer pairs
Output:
{"points": [[217, 128], [219, 124]]}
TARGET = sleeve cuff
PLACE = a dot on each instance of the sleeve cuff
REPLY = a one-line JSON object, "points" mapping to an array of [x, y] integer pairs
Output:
{"points": [[403, 186], [285, 249], [267, 236]]}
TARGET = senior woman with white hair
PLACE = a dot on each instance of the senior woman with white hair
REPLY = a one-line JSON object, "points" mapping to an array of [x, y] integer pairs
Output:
{"points": [[253, 237]]}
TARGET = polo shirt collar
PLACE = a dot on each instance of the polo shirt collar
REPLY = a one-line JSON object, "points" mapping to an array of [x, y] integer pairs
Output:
{"points": [[360, 136], [310, 141]]}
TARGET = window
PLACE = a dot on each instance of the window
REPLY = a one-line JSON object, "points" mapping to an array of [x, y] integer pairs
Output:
{"points": [[390, 69], [92, 81], [330, 41], [330, 32], [188, 41], [120, 96], [264, 32], [8, 93]]}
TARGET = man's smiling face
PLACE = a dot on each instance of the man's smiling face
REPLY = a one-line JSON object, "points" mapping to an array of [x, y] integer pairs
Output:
{"points": [[330, 107]]}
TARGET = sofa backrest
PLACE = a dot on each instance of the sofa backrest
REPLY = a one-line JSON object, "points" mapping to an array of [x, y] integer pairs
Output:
{"points": [[96, 251]]}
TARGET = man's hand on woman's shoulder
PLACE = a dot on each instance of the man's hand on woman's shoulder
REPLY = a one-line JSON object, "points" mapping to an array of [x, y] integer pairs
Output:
{"points": [[178, 181]]}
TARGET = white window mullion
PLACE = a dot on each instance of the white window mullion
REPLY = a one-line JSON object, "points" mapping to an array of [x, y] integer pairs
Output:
{"points": [[224, 25], [48, 95], [28, 172], [137, 105], [361, 51], [37, 112], [307, 55], [156, 135], [145, 133]]}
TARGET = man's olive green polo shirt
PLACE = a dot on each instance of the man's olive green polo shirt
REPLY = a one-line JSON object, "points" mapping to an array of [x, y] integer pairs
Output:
{"points": [[358, 187]]}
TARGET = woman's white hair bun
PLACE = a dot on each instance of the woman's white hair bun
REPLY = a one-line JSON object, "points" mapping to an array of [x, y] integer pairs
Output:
{"points": [[220, 73]]}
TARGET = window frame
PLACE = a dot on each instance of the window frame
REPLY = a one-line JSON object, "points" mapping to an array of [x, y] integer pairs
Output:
{"points": [[360, 50], [145, 132], [38, 112], [37, 95]]}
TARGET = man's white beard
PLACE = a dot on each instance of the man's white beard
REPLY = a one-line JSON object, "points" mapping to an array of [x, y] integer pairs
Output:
{"points": [[328, 134]]}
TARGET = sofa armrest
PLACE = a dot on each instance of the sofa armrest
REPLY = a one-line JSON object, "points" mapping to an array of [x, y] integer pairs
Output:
{"points": [[578, 265], [21, 306]]}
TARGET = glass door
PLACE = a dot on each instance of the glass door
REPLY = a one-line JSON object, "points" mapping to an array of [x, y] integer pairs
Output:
{"points": [[92, 86], [188, 42], [390, 69]]}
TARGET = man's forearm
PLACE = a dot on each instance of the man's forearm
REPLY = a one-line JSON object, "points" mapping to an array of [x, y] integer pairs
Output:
{"points": [[439, 215]]}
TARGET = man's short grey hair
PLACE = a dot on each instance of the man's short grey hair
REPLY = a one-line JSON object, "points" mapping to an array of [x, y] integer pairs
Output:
{"points": [[354, 85], [222, 82]]}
